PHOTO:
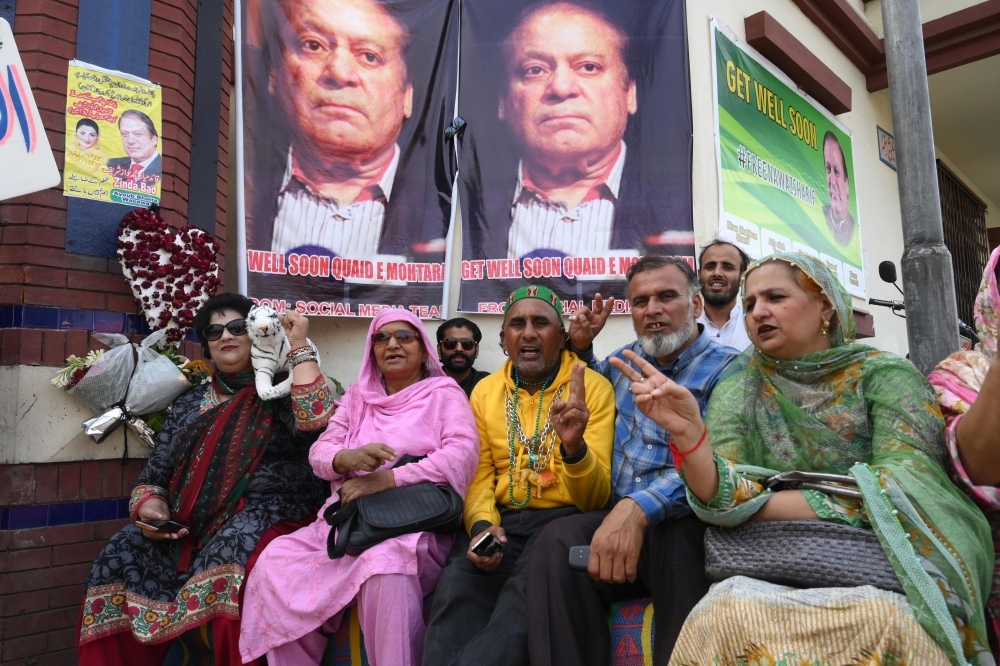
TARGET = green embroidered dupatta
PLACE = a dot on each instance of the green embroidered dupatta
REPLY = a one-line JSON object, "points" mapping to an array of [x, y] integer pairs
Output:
{"points": [[855, 410]]}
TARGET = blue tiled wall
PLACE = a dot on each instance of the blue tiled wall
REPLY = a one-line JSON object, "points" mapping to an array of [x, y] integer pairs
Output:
{"points": [[64, 513], [35, 316]]}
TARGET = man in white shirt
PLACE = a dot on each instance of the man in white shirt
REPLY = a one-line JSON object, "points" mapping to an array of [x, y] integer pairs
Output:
{"points": [[720, 266], [342, 80], [568, 99]]}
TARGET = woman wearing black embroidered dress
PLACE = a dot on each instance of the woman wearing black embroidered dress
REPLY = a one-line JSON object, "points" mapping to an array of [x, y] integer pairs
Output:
{"points": [[233, 469]]}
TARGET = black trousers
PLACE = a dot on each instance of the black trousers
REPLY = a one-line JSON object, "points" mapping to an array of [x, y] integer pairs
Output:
{"points": [[477, 618], [568, 611]]}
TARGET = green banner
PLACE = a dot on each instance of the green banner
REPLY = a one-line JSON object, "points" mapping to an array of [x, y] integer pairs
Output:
{"points": [[786, 168]]}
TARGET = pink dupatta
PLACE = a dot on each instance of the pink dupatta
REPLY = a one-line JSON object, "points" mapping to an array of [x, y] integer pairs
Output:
{"points": [[422, 419]]}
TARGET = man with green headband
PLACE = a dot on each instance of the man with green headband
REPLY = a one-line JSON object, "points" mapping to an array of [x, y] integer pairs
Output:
{"points": [[546, 430]]}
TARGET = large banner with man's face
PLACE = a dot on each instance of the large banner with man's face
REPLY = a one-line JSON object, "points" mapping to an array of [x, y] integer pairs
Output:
{"points": [[576, 158], [347, 175], [786, 166]]}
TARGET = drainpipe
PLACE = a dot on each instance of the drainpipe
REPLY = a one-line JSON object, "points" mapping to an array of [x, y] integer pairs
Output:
{"points": [[928, 278]]}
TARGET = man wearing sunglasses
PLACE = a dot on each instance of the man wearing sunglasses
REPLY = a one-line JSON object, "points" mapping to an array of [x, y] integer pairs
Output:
{"points": [[458, 349]]}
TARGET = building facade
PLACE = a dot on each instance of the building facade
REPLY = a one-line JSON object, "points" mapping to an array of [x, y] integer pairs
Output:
{"points": [[61, 495]]}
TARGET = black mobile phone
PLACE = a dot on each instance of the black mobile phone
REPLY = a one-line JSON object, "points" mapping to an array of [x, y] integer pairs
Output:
{"points": [[167, 526], [486, 545], [578, 558]]}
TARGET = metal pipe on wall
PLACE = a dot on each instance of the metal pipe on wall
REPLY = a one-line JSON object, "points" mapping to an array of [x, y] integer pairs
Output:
{"points": [[928, 277]]}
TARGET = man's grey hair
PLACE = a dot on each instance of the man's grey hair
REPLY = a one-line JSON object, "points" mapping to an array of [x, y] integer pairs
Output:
{"points": [[651, 262]]}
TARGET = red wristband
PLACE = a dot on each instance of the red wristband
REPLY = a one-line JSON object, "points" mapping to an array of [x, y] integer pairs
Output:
{"points": [[679, 455]]}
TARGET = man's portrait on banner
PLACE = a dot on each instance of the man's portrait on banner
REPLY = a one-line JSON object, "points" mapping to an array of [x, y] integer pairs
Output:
{"points": [[567, 100], [347, 176], [333, 123], [838, 216], [579, 138], [341, 78]]}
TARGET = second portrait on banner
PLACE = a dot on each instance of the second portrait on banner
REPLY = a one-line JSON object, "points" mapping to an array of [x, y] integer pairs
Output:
{"points": [[576, 156]]}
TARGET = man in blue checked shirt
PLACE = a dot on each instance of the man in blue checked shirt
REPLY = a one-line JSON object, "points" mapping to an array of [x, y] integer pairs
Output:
{"points": [[647, 543]]}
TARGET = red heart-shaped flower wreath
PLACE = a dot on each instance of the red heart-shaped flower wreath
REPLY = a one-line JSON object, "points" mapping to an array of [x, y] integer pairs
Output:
{"points": [[172, 272]]}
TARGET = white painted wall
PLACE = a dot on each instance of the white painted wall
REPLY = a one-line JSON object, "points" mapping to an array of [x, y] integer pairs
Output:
{"points": [[50, 431], [41, 423]]}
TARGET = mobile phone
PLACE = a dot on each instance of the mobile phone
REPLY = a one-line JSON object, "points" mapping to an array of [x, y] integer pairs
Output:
{"points": [[578, 558], [166, 526], [487, 544]]}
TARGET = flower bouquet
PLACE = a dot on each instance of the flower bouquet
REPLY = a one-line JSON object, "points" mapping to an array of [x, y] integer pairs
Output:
{"points": [[172, 273]]}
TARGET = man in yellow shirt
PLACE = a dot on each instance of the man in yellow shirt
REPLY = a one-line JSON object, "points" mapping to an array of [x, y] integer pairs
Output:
{"points": [[546, 430]]}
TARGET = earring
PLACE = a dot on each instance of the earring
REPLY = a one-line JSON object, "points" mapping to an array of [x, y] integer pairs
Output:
{"points": [[825, 328]]}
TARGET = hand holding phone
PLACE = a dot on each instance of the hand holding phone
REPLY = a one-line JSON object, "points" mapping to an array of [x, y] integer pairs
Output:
{"points": [[164, 526], [486, 544], [491, 541], [579, 556], [153, 518]]}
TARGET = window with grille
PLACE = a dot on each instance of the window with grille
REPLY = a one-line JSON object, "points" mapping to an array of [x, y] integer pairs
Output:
{"points": [[964, 217]]}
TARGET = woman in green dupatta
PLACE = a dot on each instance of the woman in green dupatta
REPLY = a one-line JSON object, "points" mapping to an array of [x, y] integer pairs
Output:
{"points": [[807, 398]]}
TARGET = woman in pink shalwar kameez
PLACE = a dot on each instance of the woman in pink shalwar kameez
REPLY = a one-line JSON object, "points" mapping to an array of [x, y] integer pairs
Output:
{"points": [[403, 403]]}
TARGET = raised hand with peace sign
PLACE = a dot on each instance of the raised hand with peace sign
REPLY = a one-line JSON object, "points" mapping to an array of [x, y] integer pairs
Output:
{"points": [[585, 324], [570, 416], [673, 407]]}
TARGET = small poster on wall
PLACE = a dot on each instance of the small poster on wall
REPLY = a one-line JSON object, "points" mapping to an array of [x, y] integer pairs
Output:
{"points": [[113, 128], [786, 166], [26, 161]]}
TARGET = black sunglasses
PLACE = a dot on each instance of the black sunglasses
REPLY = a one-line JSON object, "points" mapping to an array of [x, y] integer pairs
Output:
{"points": [[450, 343], [236, 327], [402, 337]]}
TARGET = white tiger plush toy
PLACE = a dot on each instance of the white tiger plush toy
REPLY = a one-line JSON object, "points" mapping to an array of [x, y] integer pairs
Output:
{"points": [[268, 352]]}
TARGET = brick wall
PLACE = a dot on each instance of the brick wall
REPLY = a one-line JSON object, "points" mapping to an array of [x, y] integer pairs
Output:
{"points": [[222, 181], [43, 570], [35, 269], [35, 346]]}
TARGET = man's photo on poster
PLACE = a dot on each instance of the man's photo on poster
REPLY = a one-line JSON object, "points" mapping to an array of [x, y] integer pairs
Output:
{"points": [[142, 163]]}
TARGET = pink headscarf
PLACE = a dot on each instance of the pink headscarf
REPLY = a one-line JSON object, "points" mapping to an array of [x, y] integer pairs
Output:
{"points": [[369, 395]]}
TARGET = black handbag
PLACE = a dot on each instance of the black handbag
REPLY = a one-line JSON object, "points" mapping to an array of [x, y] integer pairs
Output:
{"points": [[372, 519], [801, 553]]}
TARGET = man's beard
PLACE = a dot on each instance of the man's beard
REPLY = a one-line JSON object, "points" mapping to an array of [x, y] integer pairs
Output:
{"points": [[536, 369], [661, 345], [721, 298], [449, 363]]}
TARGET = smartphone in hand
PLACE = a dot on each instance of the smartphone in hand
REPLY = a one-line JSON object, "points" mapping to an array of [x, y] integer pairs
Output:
{"points": [[165, 526], [487, 544]]}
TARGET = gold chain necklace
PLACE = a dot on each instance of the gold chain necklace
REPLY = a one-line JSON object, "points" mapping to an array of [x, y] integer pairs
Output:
{"points": [[546, 438]]}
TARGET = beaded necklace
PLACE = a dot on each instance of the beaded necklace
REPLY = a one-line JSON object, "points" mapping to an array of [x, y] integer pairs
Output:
{"points": [[513, 426]]}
